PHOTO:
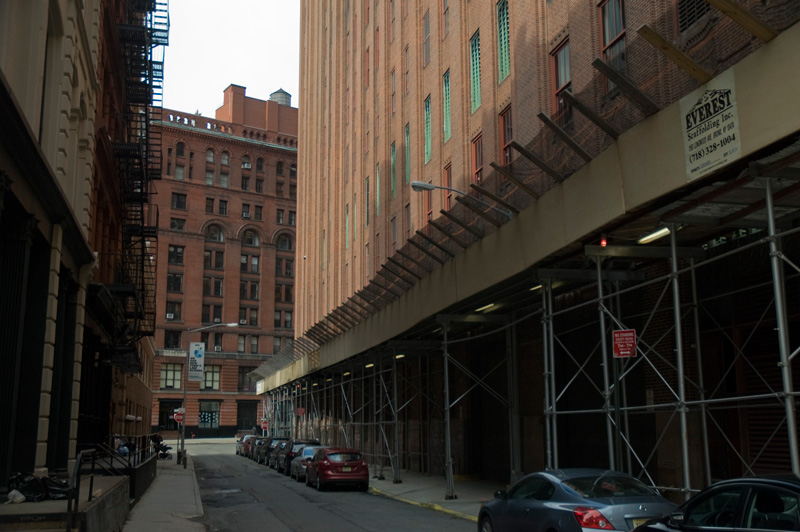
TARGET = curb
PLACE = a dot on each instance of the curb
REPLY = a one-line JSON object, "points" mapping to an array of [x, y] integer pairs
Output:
{"points": [[428, 505]]}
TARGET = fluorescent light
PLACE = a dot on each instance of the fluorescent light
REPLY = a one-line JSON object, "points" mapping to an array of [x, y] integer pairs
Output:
{"points": [[485, 307], [328, 379], [655, 235], [345, 374], [369, 365], [537, 287], [315, 384], [401, 355]]}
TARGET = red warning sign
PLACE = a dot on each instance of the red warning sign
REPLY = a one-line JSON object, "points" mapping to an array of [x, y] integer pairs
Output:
{"points": [[625, 343]]}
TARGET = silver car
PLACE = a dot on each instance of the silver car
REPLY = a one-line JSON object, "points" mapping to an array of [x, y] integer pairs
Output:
{"points": [[297, 470], [573, 500]]}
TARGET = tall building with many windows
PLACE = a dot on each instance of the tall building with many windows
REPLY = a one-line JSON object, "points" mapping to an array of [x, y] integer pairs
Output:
{"points": [[485, 291], [227, 220]]}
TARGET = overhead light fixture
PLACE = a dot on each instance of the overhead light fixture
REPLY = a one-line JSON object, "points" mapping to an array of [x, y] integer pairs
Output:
{"points": [[328, 379], [315, 384], [655, 235], [369, 365], [345, 374], [398, 357], [485, 307], [537, 287]]}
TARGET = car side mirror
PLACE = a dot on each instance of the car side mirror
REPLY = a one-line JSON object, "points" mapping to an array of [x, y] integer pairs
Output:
{"points": [[676, 518], [501, 494]]}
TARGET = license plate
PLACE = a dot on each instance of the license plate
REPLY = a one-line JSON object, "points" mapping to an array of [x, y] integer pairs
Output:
{"points": [[347, 469], [637, 522]]}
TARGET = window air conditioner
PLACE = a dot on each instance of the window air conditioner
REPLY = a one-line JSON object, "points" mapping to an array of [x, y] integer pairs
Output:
{"points": [[217, 320], [247, 166], [245, 215], [242, 322], [170, 315], [217, 348]]}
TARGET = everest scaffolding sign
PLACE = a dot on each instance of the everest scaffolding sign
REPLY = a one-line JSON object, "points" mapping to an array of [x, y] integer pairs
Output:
{"points": [[710, 126], [197, 355]]}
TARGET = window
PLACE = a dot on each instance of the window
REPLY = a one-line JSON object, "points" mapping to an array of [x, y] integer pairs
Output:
{"points": [[209, 415], [279, 168], [347, 226], [284, 243], [214, 233], [277, 322], [393, 171], [279, 216], [717, 503], [246, 162], [690, 11], [175, 255], [179, 172], [213, 313], [212, 286], [173, 310], [259, 165], [276, 341], [180, 149], [475, 71], [427, 108], [246, 384], [249, 264], [250, 238], [289, 268], [240, 343], [426, 39], [177, 224], [209, 155], [223, 206], [562, 83], [506, 135], [172, 339], [292, 171], [366, 201], [213, 259], [292, 218], [225, 158], [445, 18], [178, 201], [408, 153], [248, 290], [279, 267], [448, 182], [245, 183], [613, 17], [209, 177], [245, 210], [260, 186], [211, 377], [209, 205], [446, 106], [258, 212], [254, 344], [503, 51], [174, 282], [171, 376], [252, 317], [405, 70], [477, 159], [287, 319], [378, 189], [223, 180]]}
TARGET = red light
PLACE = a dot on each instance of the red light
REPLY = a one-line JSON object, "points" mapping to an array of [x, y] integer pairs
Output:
{"points": [[603, 241], [591, 518]]}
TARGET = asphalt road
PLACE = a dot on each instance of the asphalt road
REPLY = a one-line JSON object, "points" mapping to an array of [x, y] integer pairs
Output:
{"points": [[240, 495]]}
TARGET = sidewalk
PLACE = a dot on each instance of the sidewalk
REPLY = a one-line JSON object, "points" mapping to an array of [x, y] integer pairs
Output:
{"points": [[173, 498]]}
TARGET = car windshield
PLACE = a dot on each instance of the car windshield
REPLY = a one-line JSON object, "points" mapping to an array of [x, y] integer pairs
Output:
{"points": [[309, 451], [344, 457], [594, 487]]}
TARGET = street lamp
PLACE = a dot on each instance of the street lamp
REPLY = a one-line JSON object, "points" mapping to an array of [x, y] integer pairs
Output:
{"points": [[420, 186], [186, 381]]}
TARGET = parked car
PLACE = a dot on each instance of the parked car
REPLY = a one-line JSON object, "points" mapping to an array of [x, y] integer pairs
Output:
{"points": [[272, 457], [297, 470], [573, 500], [743, 503], [263, 452], [256, 443], [287, 454], [241, 442], [337, 465], [247, 444]]}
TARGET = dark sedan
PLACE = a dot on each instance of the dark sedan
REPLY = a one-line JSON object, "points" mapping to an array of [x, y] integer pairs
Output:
{"points": [[263, 452], [287, 454], [573, 500], [744, 503]]}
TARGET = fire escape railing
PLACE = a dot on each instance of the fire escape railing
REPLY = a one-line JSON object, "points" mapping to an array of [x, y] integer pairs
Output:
{"points": [[138, 157]]}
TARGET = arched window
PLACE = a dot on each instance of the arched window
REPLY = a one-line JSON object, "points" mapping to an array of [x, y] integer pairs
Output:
{"points": [[225, 158], [210, 155], [293, 170], [260, 164], [284, 243], [246, 162], [250, 238], [180, 149], [279, 168], [214, 233]]}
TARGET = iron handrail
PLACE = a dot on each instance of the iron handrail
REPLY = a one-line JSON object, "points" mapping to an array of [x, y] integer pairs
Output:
{"points": [[73, 494]]}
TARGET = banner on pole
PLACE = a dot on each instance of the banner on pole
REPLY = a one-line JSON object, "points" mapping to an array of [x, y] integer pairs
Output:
{"points": [[197, 356]]}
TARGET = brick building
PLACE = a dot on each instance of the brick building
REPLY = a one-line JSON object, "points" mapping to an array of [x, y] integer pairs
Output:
{"points": [[465, 160], [227, 221]]}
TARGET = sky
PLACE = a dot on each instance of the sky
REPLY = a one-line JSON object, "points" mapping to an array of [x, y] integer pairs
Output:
{"points": [[213, 44]]}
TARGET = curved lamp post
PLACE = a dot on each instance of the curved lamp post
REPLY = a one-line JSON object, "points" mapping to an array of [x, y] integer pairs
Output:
{"points": [[420, 186], [186, 381]]}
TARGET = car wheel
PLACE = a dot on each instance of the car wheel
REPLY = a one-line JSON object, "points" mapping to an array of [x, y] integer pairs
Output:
{"points": [[486, 524], [298, 478], [319, 485]]}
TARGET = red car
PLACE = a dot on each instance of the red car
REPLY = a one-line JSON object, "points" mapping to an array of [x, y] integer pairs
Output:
{"points": [[337, 466]]}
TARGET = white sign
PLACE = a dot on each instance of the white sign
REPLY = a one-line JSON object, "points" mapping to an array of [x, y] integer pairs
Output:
{"points": [[197, 355], [710, 126]]}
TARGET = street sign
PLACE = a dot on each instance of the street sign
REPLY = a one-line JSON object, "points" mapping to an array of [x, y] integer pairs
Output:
{"points": [[264, 424], [178, 417], [625, 343]]}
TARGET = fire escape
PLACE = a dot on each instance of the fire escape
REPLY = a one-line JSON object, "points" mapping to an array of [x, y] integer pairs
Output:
{"points": [[143, 36]]}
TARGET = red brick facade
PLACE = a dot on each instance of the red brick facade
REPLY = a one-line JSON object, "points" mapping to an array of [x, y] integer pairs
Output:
{"points": [[226, 218]]}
